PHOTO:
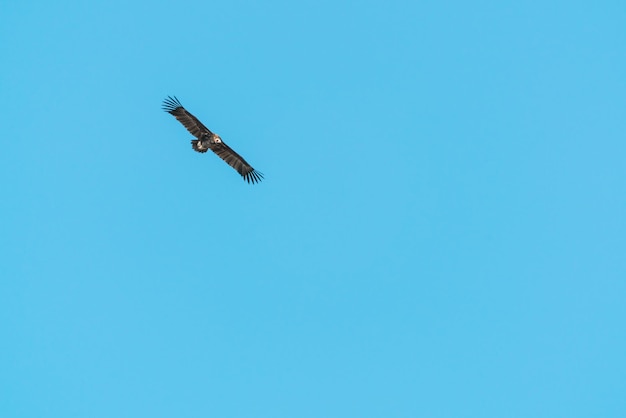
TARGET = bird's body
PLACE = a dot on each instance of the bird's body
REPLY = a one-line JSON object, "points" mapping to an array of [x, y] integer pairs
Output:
{"points": [[207, 140]]}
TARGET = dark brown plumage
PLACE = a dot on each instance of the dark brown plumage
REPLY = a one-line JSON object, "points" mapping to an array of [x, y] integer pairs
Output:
{"points": [[207, 140]]}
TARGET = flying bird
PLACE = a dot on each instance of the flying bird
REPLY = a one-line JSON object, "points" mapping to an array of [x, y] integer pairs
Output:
{"points": [[207, 140]]}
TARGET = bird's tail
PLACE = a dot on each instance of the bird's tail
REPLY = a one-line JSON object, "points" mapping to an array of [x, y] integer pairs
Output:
{"points": [[197, 146]]}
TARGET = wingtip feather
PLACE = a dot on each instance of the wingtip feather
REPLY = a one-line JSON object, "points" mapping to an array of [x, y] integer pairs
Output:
{"points": [[170, 104], [253, 177]]}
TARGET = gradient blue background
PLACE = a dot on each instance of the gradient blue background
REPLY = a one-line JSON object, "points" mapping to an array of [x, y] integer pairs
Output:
{"points": [[440, 232]]}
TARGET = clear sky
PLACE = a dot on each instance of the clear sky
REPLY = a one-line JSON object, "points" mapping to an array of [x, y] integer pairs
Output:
{"points": [[440, 233]]}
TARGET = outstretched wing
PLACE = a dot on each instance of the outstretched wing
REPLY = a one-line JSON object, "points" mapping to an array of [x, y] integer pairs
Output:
{"points": [[237, 162], [172, 106]]}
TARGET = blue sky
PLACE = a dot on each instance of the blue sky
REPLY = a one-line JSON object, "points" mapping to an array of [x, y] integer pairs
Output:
{"points": [[440, 231]]}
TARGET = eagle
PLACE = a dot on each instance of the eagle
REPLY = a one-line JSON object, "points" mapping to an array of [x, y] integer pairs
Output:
{"points": [[207, 140]]}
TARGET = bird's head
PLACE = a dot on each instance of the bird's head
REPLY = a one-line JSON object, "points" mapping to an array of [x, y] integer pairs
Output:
{"points": [[217, 139]]}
